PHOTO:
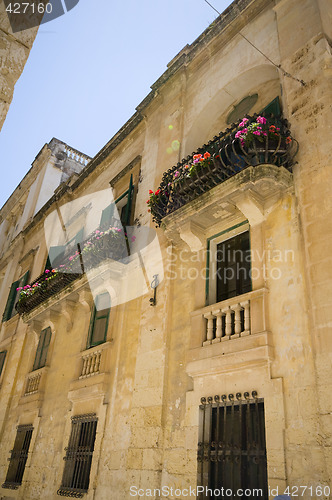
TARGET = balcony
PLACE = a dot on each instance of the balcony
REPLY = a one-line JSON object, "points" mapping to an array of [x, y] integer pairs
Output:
{"points": [[254, 141], [231, 334], [92, 374], [111, 243]]}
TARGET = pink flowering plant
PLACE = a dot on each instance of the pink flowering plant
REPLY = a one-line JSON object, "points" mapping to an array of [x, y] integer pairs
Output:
{"points": [[259, 129], [111, 242], [28, 290]]}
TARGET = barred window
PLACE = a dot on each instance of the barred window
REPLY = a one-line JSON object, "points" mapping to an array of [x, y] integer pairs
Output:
{"points": [[231, 448], [18, 457], [78, 459]]}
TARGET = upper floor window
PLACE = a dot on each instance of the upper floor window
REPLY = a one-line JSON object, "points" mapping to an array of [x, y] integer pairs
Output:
{"points": [[13, 297], [42, 348], [19, 456], [229, 271], [99, 320], [56, 254], [2, 360], [233, 267], [123, 205], [76, 474]]}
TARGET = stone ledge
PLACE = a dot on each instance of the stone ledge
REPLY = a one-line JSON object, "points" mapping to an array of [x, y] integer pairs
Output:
{"points": [[235, 354]]}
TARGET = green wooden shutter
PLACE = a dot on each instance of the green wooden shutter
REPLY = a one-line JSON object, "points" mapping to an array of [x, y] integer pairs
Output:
{"points": [[2, 360], [79, 236], [42, 348], [107, 215], [127, 212], [46, 345], [25, 278], [273, 108], [55, 255], [22, 282], [99, 320], [10, 301]]}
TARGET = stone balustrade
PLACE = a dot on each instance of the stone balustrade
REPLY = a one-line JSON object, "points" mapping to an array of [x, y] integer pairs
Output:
{"points": [[237, 317], [77, 156], [32, 385], [91, 364], [226, 323]]}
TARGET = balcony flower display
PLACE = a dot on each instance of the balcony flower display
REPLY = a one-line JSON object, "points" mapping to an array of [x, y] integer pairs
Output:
{"points": [[260, 130], [111, 243], [252, 141]]}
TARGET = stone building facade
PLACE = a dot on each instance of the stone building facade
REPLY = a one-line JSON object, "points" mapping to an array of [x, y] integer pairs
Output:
{"points": [[154, 368]]}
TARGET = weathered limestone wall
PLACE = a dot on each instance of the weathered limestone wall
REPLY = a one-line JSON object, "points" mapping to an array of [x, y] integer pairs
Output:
{"points": [[309, 57], [14, 52]]}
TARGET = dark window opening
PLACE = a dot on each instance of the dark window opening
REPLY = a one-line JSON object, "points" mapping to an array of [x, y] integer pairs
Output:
{"points": [[232, 449], [18, 457], [233, 267], [78, 459]]}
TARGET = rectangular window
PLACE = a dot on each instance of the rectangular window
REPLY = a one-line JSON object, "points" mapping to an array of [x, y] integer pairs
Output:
{"points": [[2, 360], [233, 267], [57, 254], [231, 449], [99, 320], [121, 206], [42, 348], [19, 456], [13, 297], [78, 459]]}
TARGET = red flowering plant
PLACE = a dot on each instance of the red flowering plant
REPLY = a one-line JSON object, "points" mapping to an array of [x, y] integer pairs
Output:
{"points": [[200, 161], [155, 198], [259, 129]]}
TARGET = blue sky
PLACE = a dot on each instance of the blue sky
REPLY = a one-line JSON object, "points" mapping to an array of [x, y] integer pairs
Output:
{"points": [[88, 70]]}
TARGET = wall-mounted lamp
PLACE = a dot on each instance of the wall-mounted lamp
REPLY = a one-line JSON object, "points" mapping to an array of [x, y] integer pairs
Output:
{"points": [[154, 284]]}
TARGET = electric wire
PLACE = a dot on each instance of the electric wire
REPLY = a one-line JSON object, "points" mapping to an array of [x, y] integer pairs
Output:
{"points": [[285, 73]]}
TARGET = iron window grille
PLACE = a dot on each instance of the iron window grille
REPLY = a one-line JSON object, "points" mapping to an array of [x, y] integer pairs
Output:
{"points": [[18, 457], [78, 459], [231, 449]]}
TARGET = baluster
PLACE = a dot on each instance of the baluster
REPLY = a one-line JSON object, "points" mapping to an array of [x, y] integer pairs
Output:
{"points": [[237, 320], [98, 359], [246, 307], [209, 333], [219, 314], [90, 358], [85, 366], [228, 326]]}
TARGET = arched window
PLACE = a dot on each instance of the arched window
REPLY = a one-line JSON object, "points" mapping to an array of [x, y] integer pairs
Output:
{"points": [[99, 320]]}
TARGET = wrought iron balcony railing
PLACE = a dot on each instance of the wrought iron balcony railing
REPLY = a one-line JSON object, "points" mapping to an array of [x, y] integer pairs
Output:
{"points": [[255, 140], [110, 243]]}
